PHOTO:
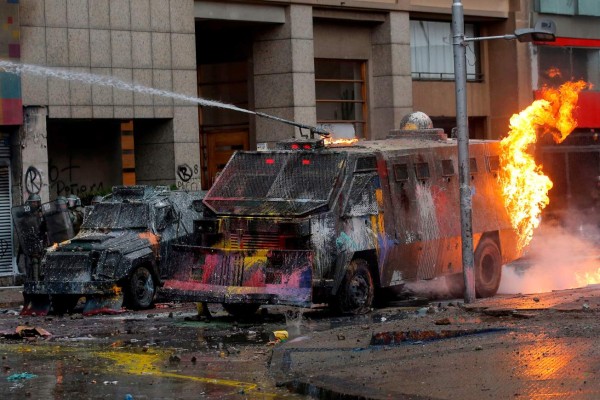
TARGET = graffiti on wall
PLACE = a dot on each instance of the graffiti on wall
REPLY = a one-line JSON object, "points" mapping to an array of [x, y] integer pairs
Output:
{"points": [[62, 182], [33, 180], [188, 178]]}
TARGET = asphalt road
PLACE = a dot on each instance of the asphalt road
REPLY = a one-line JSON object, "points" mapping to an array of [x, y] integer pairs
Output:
{"points": [[512, 346]]}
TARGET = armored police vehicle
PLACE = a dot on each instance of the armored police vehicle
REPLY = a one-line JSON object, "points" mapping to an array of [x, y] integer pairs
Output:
{"points": [[306, 224], [122, 249]]}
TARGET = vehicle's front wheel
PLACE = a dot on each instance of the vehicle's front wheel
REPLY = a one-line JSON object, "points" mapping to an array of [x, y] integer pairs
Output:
{"points": [[140, 290], [488, 268], [241, 310], [356, 293]]}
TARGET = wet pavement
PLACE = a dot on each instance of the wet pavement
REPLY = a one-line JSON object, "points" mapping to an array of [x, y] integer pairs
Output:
{"points": [[160, 354], [514, 346], [511, 346]]}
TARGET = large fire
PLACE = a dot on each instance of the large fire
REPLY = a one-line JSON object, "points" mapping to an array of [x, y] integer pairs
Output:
{"points": [[524, 185]]}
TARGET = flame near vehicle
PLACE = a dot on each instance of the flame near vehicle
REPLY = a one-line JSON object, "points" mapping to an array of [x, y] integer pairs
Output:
{"points": [[524, 185], [344, 142]]}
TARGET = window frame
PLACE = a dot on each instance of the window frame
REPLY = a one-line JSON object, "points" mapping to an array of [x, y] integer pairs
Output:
{"points": [[476, 76], [364, 91]]}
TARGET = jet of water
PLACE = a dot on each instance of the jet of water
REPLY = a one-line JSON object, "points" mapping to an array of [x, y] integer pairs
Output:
{"points": [[103, 80]]}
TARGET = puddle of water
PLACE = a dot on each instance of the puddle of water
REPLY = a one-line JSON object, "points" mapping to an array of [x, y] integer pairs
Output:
{"points": [[69, 371]]}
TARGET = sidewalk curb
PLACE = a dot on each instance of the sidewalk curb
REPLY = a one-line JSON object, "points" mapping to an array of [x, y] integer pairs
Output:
{"points": [[11, 296]]}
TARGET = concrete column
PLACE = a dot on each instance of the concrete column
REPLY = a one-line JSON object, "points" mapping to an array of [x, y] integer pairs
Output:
{"points": [[284, 75], [154, 152], [167, 152], [33, 153], [391, 85]]}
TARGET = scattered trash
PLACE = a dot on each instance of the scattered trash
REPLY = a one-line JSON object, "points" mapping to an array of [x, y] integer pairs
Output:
{"points": [[341, 337], [21, 376], [478, 348], [278, 336], [585, 307], [431, 310], [443, 321], [25, 332], [128, 397], [110, 382], [383, 319]]}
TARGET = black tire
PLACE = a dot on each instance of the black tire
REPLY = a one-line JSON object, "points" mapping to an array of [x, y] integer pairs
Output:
{"points": [[241, 310], [356, 293], [140, 290], [64, 303], [488, 268]]}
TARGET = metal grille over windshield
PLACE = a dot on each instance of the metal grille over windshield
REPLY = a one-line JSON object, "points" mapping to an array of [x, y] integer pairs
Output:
{"points": [[117, 216], [275, 183]]}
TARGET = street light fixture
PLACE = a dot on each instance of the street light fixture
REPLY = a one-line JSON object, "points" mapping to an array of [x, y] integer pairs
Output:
{"points": [[543, 31]]}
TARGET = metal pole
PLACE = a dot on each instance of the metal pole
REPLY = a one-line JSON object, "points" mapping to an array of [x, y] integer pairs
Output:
{"points": [[460, 76]]}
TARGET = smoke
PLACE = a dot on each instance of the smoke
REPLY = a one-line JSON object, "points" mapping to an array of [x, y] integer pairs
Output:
{"points": [[563, 254]]}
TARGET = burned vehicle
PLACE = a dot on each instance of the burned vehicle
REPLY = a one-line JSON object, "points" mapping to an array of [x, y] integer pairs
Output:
{"points": [[120, 252], [306, 224]]}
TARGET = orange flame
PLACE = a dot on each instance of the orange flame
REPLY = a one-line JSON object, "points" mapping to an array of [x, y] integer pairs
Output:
{"points": [[331, 141], [524, 185]]}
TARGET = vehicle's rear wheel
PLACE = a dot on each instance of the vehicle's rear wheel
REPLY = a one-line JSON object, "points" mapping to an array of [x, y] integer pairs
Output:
{"points": [[241, 310], [140, 290], [64, 303], [356, 293], [488, 268]]}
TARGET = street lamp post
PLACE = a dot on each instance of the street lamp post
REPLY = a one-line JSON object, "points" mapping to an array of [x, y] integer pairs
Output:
{"points": [[544, 31]]}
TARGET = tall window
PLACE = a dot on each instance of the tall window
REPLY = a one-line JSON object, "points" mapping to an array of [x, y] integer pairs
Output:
{"points": [[560, 64], [432, 56], [341, 96]]}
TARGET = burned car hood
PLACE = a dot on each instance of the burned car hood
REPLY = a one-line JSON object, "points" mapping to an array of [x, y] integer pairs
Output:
{"points": [[111, 240]]}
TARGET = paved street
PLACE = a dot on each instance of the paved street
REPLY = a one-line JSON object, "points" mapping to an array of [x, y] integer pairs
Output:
{"points": [[512, 346]]}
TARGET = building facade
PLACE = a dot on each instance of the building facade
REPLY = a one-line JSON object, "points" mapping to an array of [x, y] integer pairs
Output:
{"points": [[72, 136], [356, 67]]}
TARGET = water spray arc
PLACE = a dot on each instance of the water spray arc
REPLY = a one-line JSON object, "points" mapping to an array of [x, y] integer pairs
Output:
{"points": [[110, 81]]}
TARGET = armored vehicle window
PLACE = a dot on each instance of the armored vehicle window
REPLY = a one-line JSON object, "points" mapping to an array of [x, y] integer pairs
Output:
{"points": [[473, 166], [401, 172], [493, 163], [362, 200], [422, 170], [117, 216], [447, 168], [275, 183], [366, 164]]}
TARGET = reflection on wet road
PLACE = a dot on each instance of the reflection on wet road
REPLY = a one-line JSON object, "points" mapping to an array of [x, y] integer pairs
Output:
{"points": [[72, 371]]}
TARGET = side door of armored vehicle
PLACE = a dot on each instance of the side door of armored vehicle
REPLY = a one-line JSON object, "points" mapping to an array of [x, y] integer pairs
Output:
{"points": [[415, 232]]}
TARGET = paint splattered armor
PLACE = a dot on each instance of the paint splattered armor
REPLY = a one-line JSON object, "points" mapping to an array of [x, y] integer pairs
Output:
{"points": [[306, 224]]}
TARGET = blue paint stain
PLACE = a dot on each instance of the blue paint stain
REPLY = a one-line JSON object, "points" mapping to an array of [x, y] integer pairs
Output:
{"points": [[345, 242]]}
